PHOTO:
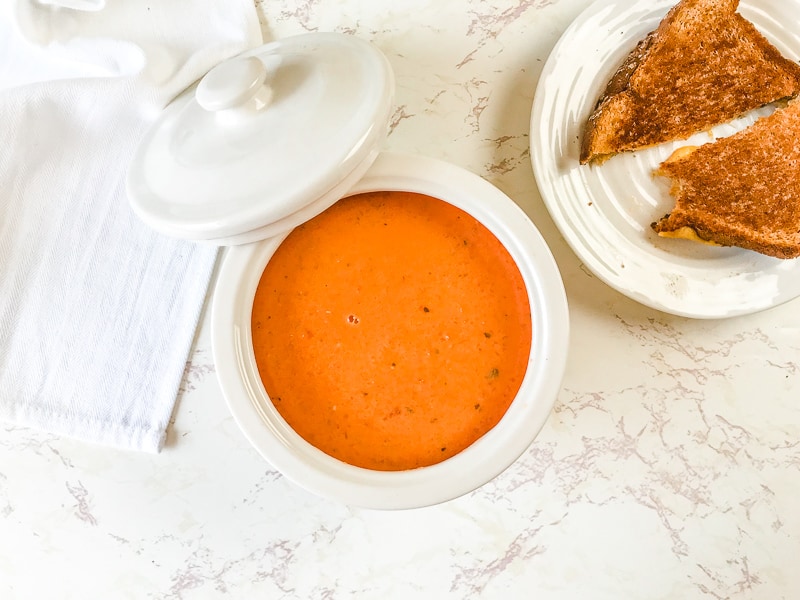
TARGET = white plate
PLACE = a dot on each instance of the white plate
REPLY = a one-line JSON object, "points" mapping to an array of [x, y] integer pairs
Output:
{"points": [[605, 212]]}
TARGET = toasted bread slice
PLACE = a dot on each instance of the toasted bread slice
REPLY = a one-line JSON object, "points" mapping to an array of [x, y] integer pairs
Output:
{"points": [[742, 190], [704, 65]]}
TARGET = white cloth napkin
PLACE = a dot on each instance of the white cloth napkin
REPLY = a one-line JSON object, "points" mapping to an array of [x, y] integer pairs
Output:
{"points": [[97, 312]]}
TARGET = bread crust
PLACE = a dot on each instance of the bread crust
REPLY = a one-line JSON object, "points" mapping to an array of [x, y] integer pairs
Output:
{"points": [[743, 190], [704, 65]]}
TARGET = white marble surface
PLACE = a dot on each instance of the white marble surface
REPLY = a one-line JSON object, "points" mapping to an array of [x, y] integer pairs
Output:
{"points": [[670, 466]]}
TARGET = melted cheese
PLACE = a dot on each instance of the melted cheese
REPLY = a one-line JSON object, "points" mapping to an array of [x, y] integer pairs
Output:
{"points": [[686, 233], [681, 153]]}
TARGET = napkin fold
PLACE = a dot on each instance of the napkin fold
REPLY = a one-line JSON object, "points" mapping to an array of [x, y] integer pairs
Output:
{"points": [[97, 312]]}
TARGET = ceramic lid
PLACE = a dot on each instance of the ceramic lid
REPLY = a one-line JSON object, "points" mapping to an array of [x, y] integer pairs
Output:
{"points": [[265, 141]]}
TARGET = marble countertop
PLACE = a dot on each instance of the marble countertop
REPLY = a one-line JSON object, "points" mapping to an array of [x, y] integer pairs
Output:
{"points": [[669, 467]]}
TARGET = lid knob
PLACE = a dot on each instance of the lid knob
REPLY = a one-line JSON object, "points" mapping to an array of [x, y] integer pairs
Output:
{"points": [[233, 84]]}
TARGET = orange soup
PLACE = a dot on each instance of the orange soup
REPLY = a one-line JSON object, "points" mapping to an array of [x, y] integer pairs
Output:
{"points": [[391, 331]]}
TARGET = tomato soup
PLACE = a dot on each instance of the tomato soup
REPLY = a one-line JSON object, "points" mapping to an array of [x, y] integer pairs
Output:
{"points": [[391, 331]]}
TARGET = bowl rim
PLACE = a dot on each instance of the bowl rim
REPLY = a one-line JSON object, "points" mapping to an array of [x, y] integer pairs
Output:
{"points": [[490, 455]]}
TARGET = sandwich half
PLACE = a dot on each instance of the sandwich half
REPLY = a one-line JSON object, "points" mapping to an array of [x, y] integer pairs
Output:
{"points": [[742, 190], [704, 65]]}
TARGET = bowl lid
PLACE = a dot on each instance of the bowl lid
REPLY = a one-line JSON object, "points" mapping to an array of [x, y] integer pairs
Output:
{"points": [[265, 141]]}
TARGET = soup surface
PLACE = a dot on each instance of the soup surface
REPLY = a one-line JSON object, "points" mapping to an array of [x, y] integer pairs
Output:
{"points": [[391, 331]]}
